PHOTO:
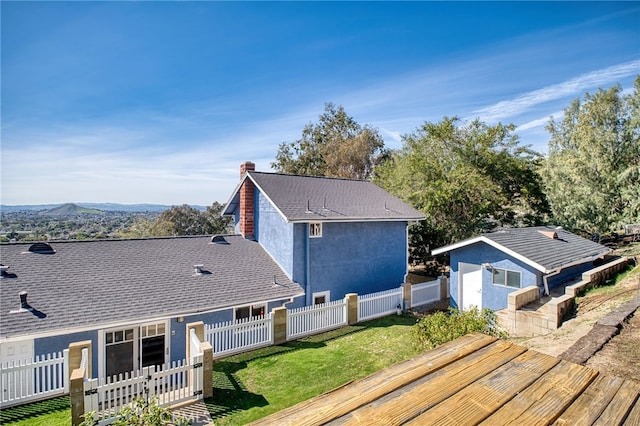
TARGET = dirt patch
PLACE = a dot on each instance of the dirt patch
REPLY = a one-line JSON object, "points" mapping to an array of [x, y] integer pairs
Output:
{"points": [[590, 309], [621, 356]]}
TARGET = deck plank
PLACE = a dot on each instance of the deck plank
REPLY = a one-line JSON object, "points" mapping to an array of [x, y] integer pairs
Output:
{"points": [[621, 405], [594, 400], [482, 398], [407, 403], [347, 398], [546, 399], [633, 419]]}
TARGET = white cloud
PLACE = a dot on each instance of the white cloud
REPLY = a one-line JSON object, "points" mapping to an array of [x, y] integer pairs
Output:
{"points": [[574, 86], [539, 122]]}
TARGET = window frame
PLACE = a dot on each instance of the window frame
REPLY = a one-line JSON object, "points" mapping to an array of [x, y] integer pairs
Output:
{"points": [[256, 307], [507, 272], [315, 229], [326, 294]]}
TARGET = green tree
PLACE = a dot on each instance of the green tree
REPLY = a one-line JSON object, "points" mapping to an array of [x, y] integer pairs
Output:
{"points": [[181, 220], [591, 173], [216, 223], [466, 179], [186, 220], [335, 146]]}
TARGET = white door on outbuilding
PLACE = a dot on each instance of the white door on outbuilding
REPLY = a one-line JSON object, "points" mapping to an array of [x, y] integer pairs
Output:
{"points": [[470, 285]]}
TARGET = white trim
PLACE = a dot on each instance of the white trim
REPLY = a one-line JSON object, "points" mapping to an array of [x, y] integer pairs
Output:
{"points": [[313, 225], [133, 322], [326, 294], [493, 244], [250, 305], [353, 219], [137, 342], [505, 277]]}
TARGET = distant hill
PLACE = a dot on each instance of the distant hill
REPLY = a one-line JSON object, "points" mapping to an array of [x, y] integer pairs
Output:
{"points": [[69, 209], [107, 207]]}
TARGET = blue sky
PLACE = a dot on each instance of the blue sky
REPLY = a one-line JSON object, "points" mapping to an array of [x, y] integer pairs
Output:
{"points": [[160, 102]]}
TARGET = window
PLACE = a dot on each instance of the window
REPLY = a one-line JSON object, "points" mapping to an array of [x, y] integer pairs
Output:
{"points": [[315, 230], [506, 278], [321, 297], [250, 311]]}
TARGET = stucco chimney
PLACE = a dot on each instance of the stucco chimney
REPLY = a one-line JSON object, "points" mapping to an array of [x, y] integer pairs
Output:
{"points": [[246, 201]]}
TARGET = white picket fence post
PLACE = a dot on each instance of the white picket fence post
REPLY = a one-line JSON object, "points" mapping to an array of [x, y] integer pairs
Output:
{"points": [[230, 337], [170, 384], [313, 319], [29, 380], [424, 293], [382, 303]]}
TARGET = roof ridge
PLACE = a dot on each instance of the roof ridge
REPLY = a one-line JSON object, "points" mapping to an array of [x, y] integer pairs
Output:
{"points": [[308, 176]]}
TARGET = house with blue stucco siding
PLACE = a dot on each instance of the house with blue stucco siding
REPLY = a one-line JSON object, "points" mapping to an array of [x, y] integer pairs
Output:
{"points": [[299, 241], [331, 236], [485, 269]]}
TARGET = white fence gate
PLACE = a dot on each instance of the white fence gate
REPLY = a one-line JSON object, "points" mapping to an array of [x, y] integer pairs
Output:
{"points": [[312, 319], [231, 337], [424, 293], [376, 305], [178, 382], [34, 379]]}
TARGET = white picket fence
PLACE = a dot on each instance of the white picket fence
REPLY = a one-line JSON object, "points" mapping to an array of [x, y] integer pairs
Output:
{"points": [[230, 337], [376, 305], [178, 382], [424, 293], [314, 319], [29, 380]]}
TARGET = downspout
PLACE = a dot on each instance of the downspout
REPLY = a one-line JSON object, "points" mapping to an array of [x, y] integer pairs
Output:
{"points": [[406, 260], [307, 271]]}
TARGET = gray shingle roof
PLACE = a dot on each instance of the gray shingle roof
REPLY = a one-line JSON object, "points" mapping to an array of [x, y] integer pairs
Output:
{"points": [[308, 198], [100, 282], [535, 248]]}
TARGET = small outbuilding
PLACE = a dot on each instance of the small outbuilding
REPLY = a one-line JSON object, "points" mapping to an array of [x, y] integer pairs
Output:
{"points": [[485, 269]]}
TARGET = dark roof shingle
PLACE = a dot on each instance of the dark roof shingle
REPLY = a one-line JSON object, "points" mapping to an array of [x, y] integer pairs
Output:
{"points": [[546, 253], [91, 283], [310, 198]]}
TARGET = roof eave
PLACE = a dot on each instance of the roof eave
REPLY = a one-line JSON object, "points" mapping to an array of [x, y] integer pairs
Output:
{"points": [[355, 219], [579, 261], [494, 244]]}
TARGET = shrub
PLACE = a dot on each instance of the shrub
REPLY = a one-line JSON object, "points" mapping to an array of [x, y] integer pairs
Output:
{"points": [[141, 413], [438, 328]]}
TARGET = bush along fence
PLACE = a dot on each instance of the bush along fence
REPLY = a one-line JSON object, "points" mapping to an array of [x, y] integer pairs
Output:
{"points": [[191, 379]]}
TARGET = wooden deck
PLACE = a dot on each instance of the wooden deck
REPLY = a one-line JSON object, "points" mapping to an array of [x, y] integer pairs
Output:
{"points": [[475, 379]]}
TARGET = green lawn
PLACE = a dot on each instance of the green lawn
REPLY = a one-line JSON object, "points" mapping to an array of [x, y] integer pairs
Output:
{"points": [[54, 412], [252, 385]]}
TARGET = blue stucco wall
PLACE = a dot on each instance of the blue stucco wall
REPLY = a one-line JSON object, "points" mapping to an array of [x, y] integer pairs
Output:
{"points": [[300, 240], [493, 296], [274, 233], [46, 345], [357, 257], [568, 274]]}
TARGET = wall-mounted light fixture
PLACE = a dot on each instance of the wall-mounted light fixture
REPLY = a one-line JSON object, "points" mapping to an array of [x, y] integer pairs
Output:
{"points": [[487, 266]]}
